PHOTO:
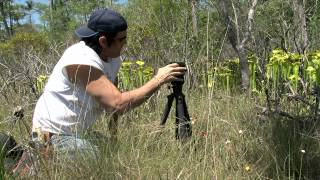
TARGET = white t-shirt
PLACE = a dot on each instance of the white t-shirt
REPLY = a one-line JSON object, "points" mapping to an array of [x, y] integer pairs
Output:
{"points": [[65, 108]]}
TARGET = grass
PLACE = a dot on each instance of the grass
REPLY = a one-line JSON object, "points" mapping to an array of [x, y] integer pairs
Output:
{"points": [[231, 140]]}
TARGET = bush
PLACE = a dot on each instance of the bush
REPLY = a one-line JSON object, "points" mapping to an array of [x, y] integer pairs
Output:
{"points": [[24, 42]]}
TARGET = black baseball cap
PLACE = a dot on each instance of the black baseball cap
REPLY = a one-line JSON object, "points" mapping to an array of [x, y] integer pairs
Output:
{"points": [[102, 20]]}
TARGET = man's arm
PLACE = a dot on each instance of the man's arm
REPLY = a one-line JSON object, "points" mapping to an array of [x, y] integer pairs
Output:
{"points": [[100, 87]]}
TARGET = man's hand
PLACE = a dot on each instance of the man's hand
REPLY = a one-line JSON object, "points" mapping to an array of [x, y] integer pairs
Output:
{"points": [[169, 73]]}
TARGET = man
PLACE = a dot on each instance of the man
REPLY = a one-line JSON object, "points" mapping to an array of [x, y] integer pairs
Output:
{"points": [[81, 86]]}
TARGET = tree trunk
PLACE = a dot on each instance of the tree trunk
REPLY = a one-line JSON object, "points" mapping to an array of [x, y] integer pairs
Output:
{"points": [[300, 26], [52, 5], [194, 10], [51, 12], [244, 68], [10, 19], [4, 17]]}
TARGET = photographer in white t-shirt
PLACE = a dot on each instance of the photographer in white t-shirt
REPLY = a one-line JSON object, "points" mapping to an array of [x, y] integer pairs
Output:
{"points": [[81, 86]]}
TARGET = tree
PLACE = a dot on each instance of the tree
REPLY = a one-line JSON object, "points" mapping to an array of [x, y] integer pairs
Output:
{"points": [[194, 9], [29, 8], [11, 15], [5, 7], [233, 29]]}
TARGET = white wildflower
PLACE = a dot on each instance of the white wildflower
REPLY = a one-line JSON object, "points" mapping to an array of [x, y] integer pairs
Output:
{"points": [[227, 141]]}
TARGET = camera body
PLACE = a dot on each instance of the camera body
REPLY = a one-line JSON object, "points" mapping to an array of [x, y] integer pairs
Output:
{"points": [[181, 77]]}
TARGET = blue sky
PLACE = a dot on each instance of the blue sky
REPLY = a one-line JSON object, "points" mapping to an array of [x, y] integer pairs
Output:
{"points": [[36, 17], [47, 2], [23, 1]]}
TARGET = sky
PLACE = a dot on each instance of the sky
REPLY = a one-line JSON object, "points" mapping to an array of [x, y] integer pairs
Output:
{"points": [[23, 1], [47, 2], [36, 16]]}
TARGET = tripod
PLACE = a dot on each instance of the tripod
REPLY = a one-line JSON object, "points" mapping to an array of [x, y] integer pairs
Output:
{"points": [[183, 126]]}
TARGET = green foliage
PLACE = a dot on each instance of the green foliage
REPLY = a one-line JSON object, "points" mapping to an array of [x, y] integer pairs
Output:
{"points": [[63, 17], [40, 83], [141, 38], [313, 69], [160, 31], [225, 75], [163, 32], [24, 42], [293, 136], [252, 59], [2, 161], [271, 20], [133, 75], [284, 67]]}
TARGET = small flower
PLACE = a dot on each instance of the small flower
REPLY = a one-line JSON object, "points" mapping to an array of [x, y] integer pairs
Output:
{"points": [[303, 151], [247, 168], [240, 131], [193, 119], [227, 142]]}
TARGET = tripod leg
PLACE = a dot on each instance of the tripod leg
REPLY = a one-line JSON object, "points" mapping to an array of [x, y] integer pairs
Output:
{"points": [[167, 109], [182, 118]]}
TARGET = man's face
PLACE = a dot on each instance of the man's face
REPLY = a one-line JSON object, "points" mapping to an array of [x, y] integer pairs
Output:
{"points": [[115, 48]]}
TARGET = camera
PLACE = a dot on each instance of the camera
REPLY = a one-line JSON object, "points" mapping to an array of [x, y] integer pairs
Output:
{"points": [[181, 77]]}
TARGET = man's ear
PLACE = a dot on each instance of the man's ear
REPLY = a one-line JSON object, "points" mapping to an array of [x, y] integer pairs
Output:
{"points": [[103, 41]]}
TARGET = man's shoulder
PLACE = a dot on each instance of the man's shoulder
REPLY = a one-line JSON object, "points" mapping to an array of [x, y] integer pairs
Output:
{"points": [[80, 49]]}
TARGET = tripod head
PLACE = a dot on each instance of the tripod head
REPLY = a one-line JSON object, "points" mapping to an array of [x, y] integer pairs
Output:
{"points": [[181, 77], [177, 85]]}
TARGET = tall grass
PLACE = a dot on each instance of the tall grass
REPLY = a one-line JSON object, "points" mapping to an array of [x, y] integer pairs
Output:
{"points": [[230, 141], [232, 138]]}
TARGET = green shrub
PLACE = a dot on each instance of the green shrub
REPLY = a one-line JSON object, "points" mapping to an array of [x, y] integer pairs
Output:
{"points": [[24, 42]]}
